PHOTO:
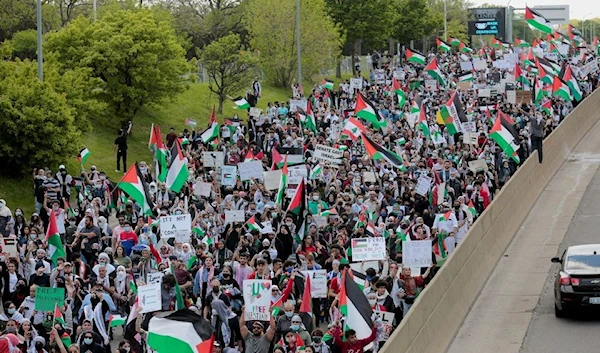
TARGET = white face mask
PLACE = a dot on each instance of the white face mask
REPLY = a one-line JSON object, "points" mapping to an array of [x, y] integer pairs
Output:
{"points": [[372, 301], [121, 275]]}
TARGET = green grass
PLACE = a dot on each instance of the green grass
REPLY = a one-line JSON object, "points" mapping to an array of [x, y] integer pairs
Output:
{"points": [[196, 103]]}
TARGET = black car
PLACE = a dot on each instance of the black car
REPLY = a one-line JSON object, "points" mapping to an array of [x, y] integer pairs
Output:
{"points": [[577, 283]]}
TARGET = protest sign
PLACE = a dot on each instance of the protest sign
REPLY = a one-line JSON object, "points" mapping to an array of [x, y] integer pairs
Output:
{"points": [[470, 138], [318, 283], [272, 179], [523, 97], [46, 298], [511, 96], [266, 227], [466, 66], [202, 189], [325, 154], [365, 249], [369, 177], [470, 126], [423, 185], [178, 227], [485, 92], [257, 300], [477, 165], [388, 322], [249, 170], [149, 297], [8, 247], [479, 65], [321, 221], [155, 277], [416, 253], [588, 68], [213, 159], [356, 83], [255, 112], [465, 86], [234, 216], [379, 76], [228, 175], [431, 84], [298, 103], [295, 175]]}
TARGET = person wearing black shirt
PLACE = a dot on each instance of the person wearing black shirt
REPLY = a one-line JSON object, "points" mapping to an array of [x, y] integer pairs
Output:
{"points": [[39, 278], [121, 148]]}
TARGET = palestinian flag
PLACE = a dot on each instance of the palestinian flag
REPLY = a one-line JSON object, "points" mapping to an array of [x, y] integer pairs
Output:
{"points": [[315, 172], [572, 83], [463, 48], [330, 212], [327, 84], [355, 307], [537, 21], [296, 206], [454, 41], [423, 126], [538, 90], [442, 46], [135, 186], [453, 114], [438, 193], [327, 98], [277, 307], [58, 316], [353, 128], [472, 209], [530, 59], [414, 108], [241, 103], [509, 125], [543, 73], [182, 331], [363, 109], [116, 320], [503, 138], [399, 92], [53, 242], [252, 224], [561, 89], [413, 56], [307, 120], [83, 155], [439, 248], [282, 184], [466, 77], [521, 43], [434, 71], [198, 232], [546, 107], [306, 306], [377, 152], [178, 171], [520, 76], [213, 128], [498, 44], [153, 222], [370, 230], [160, 154]]}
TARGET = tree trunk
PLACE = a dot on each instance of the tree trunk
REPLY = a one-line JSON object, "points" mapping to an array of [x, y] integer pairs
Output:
{"points": [[221, 100], [338, 70]]}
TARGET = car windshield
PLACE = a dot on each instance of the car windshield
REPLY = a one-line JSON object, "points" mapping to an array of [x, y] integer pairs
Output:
{"points": [[583, 263]]}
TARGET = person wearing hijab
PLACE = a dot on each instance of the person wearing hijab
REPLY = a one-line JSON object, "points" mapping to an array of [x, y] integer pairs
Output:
{"points": [[9, 343], [10, 313], [186, 253], [121, 289], [225, 323], [28, 332], [105, 231], [104, 261]]}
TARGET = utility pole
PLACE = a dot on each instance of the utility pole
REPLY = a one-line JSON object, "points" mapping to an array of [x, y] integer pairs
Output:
{"points": [[298, 47], [94, 11], [40, 57], [445, 21]]}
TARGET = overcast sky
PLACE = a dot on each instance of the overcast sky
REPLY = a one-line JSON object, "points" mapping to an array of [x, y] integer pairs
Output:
{"points": [[578, 8]]}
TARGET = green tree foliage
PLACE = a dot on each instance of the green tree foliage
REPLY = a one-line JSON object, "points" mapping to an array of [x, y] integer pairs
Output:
{"points": [[136, 56], [415, 20], [229, 67], [366, 24], [458, 14], [24, 44], [271, 27], [37, 125]]}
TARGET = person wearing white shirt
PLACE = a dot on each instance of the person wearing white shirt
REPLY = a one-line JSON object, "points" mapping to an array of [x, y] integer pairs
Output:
{"points": [[446, 222]]}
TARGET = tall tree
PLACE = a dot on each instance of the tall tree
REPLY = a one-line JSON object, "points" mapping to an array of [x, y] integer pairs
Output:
{"points": [[136, 56], [272, 30], [229, 67], [415, 20]]}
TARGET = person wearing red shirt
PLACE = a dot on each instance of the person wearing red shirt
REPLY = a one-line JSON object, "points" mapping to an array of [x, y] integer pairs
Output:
{"points": [[484, 195], [352, 344], [260, 272], [127, 238]]}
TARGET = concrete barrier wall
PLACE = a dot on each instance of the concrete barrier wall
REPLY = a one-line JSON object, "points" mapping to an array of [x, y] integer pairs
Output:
{"points": [[438, 313]]}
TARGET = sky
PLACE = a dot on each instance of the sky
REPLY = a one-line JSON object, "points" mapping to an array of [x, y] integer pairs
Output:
{"points": [[578, 8]]}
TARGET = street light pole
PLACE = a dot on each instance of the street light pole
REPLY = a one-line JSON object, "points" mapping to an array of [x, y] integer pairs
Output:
{"points": [[583, 24], [445, 21], [94, 10], [298, 46], [40, 57], [509, 17]]}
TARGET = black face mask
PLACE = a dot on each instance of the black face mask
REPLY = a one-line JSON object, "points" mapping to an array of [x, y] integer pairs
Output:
{"points": [[226, 275], [215, 290], [39, 346]]}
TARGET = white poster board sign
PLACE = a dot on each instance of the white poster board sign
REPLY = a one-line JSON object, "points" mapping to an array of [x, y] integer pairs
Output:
{"points": [[213, 159], [369, 177], [298, 103], [470, 138], [479, 65], [272, 178], [156, 277], [318, 283], [485, 92], [423, 185], [295, 175], [149, 297], [365, 249], [470, 126], [257, 300], [176, 226], [234, 216], [8, 247], [327, 155], [249, 170], [202, 189], [431, 84], [356, 83], [379, 76], [416, 253], [255, 112], [388, 322], [228, 175], [466, 65], [266, 227]]}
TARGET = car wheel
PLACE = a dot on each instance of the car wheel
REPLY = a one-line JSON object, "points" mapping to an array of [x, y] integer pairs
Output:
{"points": [[559, 313]]}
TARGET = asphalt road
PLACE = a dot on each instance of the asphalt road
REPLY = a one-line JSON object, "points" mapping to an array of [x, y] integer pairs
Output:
{"points": [[580, 333]]}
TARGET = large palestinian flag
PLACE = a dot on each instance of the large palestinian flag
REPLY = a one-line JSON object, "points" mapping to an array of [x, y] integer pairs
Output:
{"points": [[355, 307], [413, 56], [213, 129], [572, 83], [561, 89], [296, 206], [53, 242], [377, 152], [503, 138], [434, 71], [441, 45], [182, 331], [178, 171], [364, 109], [537, 21], [136, 188]]}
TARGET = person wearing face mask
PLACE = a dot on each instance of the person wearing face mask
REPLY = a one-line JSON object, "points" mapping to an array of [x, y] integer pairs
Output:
{"points": [[317, 342], [88, 344], [121, 289], [316, 205], [446, 223], [10, 318], [127, 239], [221, 254], [284, 322], [215, 293]]}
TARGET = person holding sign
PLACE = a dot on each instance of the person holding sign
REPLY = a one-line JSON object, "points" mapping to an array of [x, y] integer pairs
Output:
{"points": [[258, 341]]}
